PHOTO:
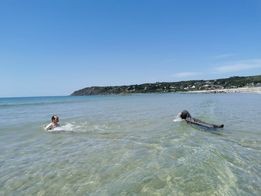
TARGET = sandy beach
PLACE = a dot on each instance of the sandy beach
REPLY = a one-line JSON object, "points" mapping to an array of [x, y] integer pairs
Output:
{"points": [[232, 90]]}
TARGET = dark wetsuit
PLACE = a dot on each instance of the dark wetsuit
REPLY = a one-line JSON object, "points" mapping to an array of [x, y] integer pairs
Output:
{"points": [[187, 117]]}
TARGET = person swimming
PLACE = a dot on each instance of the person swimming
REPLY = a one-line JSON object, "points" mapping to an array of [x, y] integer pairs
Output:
{"points": [[54, 123], [185, 115]]}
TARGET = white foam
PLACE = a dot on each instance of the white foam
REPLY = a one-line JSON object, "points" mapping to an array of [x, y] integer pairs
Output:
{"points": [[177, 119], [83, 127], [67, 127]]}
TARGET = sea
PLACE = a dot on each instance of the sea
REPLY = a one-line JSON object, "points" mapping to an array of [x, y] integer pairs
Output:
{"points": [[131, 145]]}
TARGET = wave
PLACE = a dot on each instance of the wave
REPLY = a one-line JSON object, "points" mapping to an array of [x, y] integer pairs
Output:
{"points": [[29, 104], [65, 128], [36, 101], [84, 127]]}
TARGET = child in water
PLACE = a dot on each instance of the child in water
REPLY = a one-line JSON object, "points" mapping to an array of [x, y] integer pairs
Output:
{"points": [[54, 123]]}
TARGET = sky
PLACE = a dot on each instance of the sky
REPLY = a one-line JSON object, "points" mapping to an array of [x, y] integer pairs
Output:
{"points": [[54, 47]]}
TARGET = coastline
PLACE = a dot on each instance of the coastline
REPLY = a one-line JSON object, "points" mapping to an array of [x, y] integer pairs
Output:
{"points": [[246, 84], [256, 90]]}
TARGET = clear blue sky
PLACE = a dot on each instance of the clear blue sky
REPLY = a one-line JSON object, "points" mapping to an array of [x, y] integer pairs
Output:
{"points": [[51, 47]]}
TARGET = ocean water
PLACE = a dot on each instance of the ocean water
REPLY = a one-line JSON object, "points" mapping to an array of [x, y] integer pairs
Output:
{"points": [[130, 145]]}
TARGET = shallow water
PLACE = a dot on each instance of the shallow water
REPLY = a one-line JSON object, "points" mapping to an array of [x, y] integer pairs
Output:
{"points": [[121, 145]]}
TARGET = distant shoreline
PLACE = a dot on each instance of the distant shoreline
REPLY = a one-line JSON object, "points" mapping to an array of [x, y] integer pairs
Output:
{"points": [[256, 90], [247, 84]]}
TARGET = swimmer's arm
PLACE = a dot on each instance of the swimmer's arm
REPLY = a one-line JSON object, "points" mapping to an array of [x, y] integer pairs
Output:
{"points": [[49, 127]]}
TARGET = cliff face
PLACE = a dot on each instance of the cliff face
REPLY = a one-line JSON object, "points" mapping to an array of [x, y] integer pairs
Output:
{"points": [[182, 86]]}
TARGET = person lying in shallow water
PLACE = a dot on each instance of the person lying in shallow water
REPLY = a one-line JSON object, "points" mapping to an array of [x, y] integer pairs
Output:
{"points": [[185, 115], [54, 123]]}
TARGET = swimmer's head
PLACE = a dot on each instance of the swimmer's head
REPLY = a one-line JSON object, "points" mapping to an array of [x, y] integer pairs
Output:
{"points": [[185, 114], [55, 119]]}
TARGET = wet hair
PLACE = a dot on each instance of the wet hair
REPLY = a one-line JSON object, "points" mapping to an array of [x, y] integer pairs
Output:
{"points": [[54, 117], [185, 114]]}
